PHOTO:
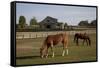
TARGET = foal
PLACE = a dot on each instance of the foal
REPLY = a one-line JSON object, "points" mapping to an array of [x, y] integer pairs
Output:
{"points": [[53, 40]]}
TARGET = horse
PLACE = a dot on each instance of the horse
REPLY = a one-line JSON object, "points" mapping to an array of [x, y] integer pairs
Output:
{"points": [[53, 40], [83, 36]]}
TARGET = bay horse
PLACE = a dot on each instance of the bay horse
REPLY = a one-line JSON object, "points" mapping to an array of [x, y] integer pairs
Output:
{"points": [[83, 36], [53, 40]]}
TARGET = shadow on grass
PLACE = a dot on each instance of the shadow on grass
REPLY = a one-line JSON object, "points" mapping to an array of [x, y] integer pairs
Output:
{"points": [[34, 57], [28, 57]]}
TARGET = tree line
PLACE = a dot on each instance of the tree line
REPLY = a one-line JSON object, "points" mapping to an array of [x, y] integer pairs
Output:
{"points": [[22, 22], [86, 23], [33, 21]]}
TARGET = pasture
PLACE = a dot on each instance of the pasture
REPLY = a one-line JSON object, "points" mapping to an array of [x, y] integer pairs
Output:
{"points": [[28, 51]]}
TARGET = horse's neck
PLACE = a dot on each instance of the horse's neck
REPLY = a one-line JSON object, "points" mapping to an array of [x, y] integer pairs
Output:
{"points": [[44, 45]]}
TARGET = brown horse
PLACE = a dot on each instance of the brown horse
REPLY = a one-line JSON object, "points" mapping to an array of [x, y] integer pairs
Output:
{"points": [[84, 37], [53, 40]]}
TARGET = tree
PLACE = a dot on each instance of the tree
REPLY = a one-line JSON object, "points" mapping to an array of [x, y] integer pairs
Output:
{"points": [[22, 21], [93, 23], [83, 23], [33, 21], [65, 26], [60, 25]]}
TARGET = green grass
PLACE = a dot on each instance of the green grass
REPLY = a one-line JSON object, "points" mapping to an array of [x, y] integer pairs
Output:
{"points": [[28, 52]]}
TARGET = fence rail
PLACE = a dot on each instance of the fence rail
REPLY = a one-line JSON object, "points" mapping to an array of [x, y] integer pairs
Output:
{"points": [[23, 35]]}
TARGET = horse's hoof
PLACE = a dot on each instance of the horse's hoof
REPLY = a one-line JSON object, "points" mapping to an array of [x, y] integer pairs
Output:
{"points": [[41, 56], [46, 57]]}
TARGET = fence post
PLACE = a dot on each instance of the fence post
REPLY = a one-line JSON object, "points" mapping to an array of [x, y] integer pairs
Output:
{"points": [[29, 35], [46, 34], [23, 36], [36, 35], [42, 35]]}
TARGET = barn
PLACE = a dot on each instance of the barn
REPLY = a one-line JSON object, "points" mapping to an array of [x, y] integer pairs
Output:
{"points": [[49, 23]]}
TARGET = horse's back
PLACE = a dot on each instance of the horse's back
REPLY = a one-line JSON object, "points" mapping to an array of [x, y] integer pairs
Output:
{"points": [[81, 36], [56, 38]]}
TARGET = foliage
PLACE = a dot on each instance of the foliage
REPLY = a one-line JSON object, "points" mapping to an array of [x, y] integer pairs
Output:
{"points": [[93, 23], [60, 23], [33, 21], [83, 23], [65, 25], [22, 21]]}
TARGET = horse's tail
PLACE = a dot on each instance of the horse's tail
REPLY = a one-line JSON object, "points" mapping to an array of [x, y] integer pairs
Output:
{"points": [[89, 41]]}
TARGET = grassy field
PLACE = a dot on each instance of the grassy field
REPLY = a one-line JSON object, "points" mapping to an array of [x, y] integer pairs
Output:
{"points": [[27, 52]]}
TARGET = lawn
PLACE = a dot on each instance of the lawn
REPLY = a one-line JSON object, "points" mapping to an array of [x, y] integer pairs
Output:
{"points": [[27, 52]]}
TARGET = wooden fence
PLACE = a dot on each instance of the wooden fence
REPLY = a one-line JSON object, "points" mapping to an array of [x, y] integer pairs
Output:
{"points": [[23, 35]]}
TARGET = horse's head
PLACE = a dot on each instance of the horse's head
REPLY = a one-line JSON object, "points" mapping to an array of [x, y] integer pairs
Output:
{"points": [[43, 52], [75, 37]]}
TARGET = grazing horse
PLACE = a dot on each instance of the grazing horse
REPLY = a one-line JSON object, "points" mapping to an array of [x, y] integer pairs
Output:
{"points": [[53, 40], [84, 37]]}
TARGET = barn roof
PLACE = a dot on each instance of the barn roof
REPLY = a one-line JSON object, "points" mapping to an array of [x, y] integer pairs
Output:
{"points": [[50, 18]]}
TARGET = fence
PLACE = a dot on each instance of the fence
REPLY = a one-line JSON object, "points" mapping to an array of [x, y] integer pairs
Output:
{"points": [[23, 35]]}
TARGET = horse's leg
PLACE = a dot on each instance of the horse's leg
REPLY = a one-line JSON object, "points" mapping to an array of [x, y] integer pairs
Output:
{"points": [[63, 53], [83, 41], [47, 53], [77, 42], [74, 38], [52, 49], [42, 56], [87, 42], [65, 49]]}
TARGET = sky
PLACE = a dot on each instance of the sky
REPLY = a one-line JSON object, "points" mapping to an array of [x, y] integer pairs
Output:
{"points": [[72, 15]]}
